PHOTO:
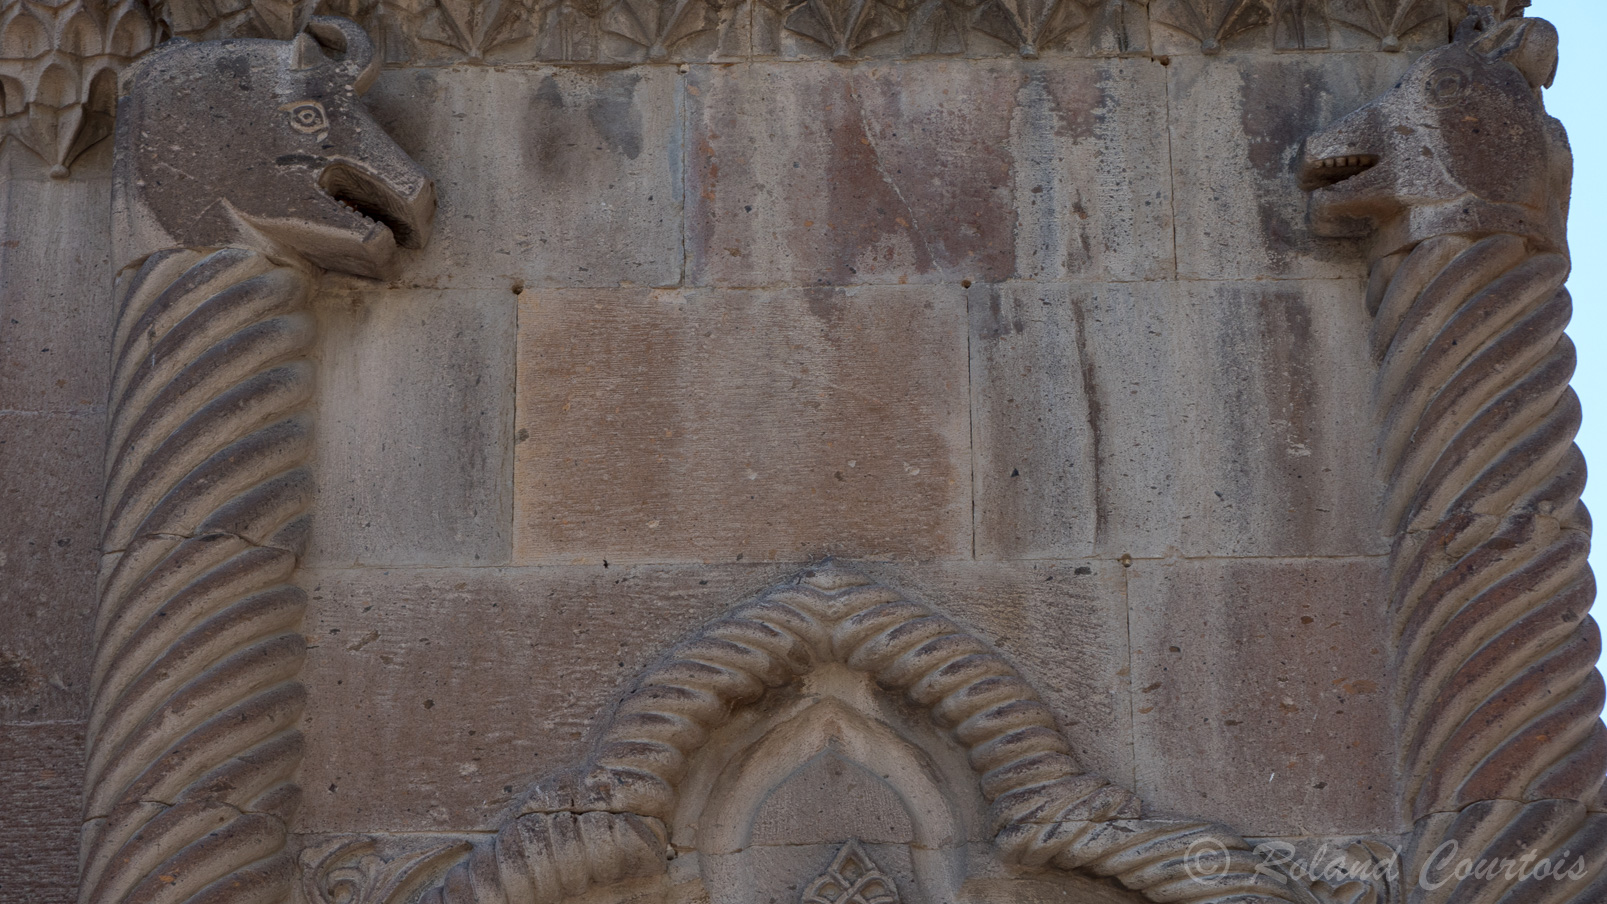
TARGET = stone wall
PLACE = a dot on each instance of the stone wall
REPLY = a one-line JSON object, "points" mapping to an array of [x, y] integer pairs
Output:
{"points": [[1042, 341]]}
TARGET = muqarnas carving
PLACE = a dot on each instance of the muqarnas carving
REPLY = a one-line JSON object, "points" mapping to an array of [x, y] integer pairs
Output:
{"points": [[242, 168], [1462, 181]]}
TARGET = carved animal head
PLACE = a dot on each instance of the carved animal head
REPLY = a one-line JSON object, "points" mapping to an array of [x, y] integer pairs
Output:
{"points": [[1462, 145], [266, 143]]}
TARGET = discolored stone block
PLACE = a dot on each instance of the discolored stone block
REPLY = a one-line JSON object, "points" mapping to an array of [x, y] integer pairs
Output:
{"points": [[741, 425], [825, 175], [50, 487], [1261, 693], [1238, 131], [415, 428], [546, 177], [41, 786], [928, 172], [1211, 418]]}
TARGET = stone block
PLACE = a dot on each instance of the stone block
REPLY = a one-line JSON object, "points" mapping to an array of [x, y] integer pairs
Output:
{"points": [[1238, 127], [55, 318], [415, 428], [466, 683], [742, 425], [546, 177], [1260, 694], [41, 786], [50, 486], [831, 175], [1210, 418], [436, 695]]}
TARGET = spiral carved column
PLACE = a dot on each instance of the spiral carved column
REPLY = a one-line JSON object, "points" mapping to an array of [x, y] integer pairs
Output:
{"points": [[190, 787]]}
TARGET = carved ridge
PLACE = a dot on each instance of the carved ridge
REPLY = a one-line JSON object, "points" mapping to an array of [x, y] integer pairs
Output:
{"points": [[1501, 752], [192, 733], [605, 820]]}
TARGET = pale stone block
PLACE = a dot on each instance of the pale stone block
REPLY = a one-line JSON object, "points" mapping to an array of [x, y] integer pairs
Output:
{"points": [[1237, 129], [1261, 696], [41, 779], [742, 425], [415, 428], [1091, 173], [55, 279], [546, 177], [1209, 418], [50, 487]]}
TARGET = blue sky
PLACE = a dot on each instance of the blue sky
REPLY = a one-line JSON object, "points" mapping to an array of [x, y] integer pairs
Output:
{"points": [[1579, 99]]}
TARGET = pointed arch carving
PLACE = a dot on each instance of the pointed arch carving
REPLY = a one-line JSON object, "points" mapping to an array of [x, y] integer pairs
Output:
{"points": [[606, 819]]}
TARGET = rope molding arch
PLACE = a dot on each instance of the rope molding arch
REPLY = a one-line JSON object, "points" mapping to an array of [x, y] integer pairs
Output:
{"points": [[606, 819]]}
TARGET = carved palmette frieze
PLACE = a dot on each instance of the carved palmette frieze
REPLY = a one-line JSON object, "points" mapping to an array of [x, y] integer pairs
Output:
{"points": [[1501, 751]]}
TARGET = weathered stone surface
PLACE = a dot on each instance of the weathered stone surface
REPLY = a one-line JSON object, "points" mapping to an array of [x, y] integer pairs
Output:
{"points": [[926, 172], [55, 324], [1260, 693], [1210, 418], [741, 425], [50, 492], [414, 660], [1238, 130], [548, 177], [415, 434], [41, 786]]}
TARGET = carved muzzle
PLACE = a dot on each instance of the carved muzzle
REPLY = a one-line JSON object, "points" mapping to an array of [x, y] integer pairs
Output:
{"points": [[1462, 145]]}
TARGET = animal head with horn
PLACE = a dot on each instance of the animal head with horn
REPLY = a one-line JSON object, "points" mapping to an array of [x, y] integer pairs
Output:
{"points": [[1462, 145], [266, 144]]}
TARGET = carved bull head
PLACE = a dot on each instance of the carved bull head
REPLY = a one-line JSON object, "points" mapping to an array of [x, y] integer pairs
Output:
{"points": [[265, 143], [1462, 145]]}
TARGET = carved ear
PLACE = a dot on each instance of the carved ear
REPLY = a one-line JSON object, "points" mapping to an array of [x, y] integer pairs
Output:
{"points": [[1528, 44], [348, 38], [305, 53]]}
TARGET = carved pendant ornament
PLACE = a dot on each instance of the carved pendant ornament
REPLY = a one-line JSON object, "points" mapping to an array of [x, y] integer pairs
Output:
{"points": [[937, 765]]}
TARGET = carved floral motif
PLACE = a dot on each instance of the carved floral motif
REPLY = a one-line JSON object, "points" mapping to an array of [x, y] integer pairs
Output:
{"points": [[1212, 22], [852, 878]]}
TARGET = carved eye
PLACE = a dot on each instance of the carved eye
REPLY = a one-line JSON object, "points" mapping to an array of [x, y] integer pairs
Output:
{"points": [[307, 116], [1446, 85]]}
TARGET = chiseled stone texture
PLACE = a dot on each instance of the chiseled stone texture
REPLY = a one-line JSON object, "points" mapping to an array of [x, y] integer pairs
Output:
{"points": [[41, 780], [720, 425], [926, 172], [1208, 418], [1260, 693], [546, 177], [1237, 128], [50, 490], [415, 428], [464, 684]]}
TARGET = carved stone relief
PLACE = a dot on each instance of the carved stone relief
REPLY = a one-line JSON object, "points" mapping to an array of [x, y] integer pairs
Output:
{"points": [[831, 739], [1502, 746], [193, 730]]}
